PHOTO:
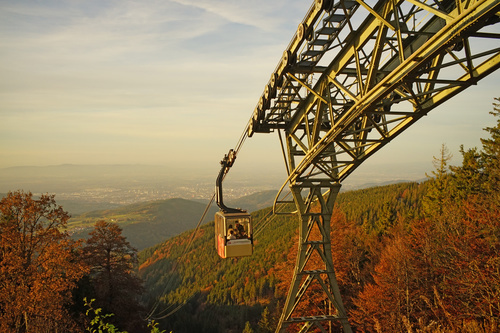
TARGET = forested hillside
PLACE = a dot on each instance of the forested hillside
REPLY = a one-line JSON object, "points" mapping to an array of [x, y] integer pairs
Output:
{"points": [[408, 257], [222, 294]]}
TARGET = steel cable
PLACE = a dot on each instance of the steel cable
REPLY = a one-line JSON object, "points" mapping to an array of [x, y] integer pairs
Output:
{"points": [[238, 147]]}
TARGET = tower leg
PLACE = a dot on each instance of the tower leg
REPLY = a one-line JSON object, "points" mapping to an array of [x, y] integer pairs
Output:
{"points": [[314, 274]]}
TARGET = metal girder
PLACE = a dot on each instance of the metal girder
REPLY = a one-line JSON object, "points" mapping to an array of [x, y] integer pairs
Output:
{"points": [[314, 266], [374, 69], [432, 74], [355, 75]]}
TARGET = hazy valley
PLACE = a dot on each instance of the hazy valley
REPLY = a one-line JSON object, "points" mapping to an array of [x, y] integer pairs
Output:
{"points": [[114, 185]]}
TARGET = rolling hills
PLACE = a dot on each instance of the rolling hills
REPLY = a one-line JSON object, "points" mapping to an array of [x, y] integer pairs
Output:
{"points": [[149, 223]]}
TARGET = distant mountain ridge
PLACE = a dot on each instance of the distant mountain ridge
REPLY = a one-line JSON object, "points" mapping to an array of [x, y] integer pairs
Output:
{"points": [[149, 223], [255, 201], [145, 224]]}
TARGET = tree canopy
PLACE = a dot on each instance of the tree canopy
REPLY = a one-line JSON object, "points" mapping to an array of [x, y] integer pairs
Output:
{"points": [[39, 264]]}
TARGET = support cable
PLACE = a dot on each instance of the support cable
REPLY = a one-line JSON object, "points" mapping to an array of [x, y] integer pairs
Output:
{"points": [[223, 174], [186, 248]]}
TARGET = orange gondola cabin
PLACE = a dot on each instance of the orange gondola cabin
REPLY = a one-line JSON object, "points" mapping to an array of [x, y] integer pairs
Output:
{"points": [[233, 234], [233, 226]]}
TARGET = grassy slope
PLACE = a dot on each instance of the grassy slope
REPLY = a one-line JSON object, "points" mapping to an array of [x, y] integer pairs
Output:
{"points": [[145, 224]]}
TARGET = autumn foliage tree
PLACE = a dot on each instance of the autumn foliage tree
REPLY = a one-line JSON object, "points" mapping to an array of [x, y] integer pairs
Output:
{"points": [[441, 273], [351, 255], [39, 265], [116, 288]]}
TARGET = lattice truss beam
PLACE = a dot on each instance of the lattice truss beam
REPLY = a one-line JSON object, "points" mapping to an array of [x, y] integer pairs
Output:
{"points": [[356, 74]]}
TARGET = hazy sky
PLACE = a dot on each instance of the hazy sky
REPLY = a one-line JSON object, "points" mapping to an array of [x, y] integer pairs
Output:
{"points": [[173, 83]]}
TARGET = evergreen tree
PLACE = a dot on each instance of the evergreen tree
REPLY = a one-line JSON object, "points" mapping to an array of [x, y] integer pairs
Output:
{"points": [[265, 322], [248, 328], [116, 287], [491, 151], [468, 178], [387, 216], [437, 195]]}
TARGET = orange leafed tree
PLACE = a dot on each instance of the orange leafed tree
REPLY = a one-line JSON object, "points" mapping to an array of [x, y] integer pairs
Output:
{"points": [[39, 266]]}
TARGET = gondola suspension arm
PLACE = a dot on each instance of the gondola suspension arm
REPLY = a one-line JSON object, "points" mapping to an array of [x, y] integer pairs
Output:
{"points": [[226, 163]]}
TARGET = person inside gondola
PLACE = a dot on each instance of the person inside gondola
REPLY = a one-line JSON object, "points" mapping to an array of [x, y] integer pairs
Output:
{"points": [[231, 230], [240, 230], [231, 235]]}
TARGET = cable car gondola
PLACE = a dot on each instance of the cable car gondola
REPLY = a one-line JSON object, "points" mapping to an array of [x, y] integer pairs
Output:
{"points": [[233, 226]]}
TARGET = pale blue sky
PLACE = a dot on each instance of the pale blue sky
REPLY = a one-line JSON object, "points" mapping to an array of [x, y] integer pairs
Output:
{"points": [[173, 83]]}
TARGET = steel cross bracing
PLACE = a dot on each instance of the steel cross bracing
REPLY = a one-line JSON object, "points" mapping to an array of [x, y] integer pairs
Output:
{"points": [[354, 76]]}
